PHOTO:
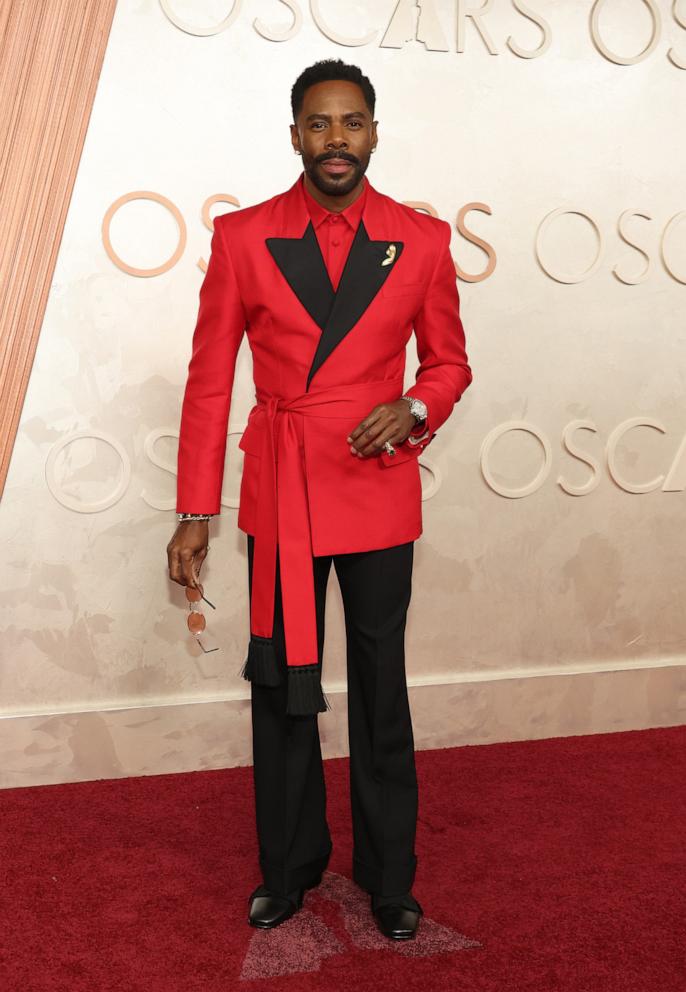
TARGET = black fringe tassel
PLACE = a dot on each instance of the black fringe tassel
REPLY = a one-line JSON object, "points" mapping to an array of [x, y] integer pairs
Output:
{"points": [[305, 694], [261, 666]]}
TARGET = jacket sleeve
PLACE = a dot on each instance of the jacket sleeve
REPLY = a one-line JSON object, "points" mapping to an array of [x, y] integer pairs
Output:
{"points": [[217, 337], [444, 372]]}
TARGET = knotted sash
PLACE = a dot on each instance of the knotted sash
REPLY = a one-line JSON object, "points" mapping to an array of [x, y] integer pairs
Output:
{"points": [[283, 519]]}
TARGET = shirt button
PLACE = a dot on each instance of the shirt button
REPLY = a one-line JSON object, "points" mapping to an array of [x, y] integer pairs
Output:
{"points": [[334, 218], [335, 242]]}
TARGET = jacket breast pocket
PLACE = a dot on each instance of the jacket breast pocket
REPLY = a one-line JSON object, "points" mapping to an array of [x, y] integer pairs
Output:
{"points": [[393, 289]]}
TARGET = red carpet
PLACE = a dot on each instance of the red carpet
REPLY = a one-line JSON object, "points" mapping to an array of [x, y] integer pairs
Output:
{"points": [[546, 865]]}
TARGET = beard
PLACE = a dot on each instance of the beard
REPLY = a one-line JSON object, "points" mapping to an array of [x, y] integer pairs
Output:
{"points": [[335, 185]]}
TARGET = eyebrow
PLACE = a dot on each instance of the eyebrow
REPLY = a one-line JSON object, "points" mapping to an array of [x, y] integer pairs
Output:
{"points": [[327, 117]]}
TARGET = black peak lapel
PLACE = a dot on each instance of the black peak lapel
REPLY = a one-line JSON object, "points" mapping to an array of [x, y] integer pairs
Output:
{"points": [[302, 265], [363, 276]]}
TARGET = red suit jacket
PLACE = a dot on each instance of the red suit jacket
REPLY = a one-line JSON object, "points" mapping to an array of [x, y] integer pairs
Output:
{"points": [[322, 359]]}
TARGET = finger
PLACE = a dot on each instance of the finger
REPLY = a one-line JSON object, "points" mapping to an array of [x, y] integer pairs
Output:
{"points": [[174, 563], [366, 447], [372, 441], [365, 435], [378, 446], [367, 444], [188, 569], [198, 560], [364, 424], [196, 576]]}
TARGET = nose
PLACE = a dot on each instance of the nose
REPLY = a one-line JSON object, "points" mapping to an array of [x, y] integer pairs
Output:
{"points": [[336, 139]]}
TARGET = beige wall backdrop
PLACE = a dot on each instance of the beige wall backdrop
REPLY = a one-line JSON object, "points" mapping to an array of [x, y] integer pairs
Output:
{"points": [[549, 581]]}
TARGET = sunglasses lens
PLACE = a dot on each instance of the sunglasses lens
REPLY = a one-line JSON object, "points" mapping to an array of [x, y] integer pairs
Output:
{"points": [[196, 622], [193, 595]]}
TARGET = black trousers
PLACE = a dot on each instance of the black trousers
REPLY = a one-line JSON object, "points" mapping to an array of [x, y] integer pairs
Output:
{"points": [[290, 793]]}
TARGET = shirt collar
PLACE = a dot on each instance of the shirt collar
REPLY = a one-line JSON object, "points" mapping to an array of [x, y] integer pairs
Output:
{"points": [[351, 214]]}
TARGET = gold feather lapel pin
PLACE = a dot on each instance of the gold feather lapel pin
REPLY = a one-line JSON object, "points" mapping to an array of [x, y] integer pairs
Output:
{"points": [[390, 255]]}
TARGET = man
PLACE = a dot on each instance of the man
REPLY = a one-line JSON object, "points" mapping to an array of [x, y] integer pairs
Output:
{"points": [[328, 280]]}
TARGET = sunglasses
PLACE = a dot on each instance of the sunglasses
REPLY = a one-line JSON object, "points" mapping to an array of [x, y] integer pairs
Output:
{"points": [[196, 620]]}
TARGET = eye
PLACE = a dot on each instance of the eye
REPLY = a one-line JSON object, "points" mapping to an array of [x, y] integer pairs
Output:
{"points": [[317, 125], [356, 124]]}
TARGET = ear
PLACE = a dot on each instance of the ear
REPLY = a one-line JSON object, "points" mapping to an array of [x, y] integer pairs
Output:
{"points": [[295, 138], [375, 137]]}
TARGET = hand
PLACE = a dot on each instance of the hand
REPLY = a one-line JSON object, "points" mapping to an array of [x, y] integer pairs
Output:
{"points": [[187, 551], [387, 422]]}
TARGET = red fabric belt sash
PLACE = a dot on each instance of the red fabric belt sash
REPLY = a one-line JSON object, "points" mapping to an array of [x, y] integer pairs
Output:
{"points": [[283, 510]]}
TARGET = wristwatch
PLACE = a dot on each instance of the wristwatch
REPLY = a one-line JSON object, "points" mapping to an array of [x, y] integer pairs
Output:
{"points": [[417, 408]]}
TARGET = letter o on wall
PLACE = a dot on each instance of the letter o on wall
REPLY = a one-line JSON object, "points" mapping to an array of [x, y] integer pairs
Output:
{"points": [[143, 194], [542, 228], [487, 445], [654, 12], [71, 502], [202, 32]]}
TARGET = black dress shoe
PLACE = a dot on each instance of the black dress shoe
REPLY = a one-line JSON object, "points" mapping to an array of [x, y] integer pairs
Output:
{"points": [[397, 917], [268, 909]]}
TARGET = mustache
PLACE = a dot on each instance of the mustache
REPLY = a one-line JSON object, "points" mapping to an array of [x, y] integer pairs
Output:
{"points": [[344, 156]]}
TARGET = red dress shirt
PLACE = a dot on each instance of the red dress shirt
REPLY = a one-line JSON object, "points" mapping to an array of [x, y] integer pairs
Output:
{"points": [[335, 231]]}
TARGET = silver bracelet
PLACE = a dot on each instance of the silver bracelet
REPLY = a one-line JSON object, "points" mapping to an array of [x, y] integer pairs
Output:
{"points": [[195, 516]]}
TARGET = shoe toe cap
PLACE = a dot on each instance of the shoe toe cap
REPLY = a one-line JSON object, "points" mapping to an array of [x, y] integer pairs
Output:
{"points": [[265, 911], [398, 922], [268, 909]]}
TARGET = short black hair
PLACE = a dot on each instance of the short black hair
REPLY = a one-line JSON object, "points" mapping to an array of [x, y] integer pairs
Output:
{"points": [[328, 70]]}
